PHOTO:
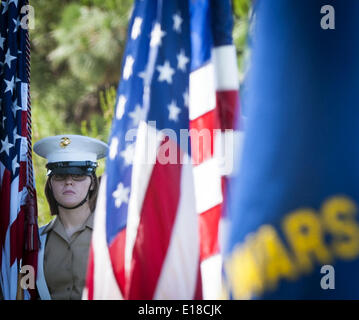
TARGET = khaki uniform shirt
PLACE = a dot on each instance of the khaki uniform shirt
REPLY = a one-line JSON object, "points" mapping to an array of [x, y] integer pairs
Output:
{"points": [[65, 260]]}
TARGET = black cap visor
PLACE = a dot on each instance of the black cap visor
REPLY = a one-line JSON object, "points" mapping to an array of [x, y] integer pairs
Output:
{"points": [[73, 167]]}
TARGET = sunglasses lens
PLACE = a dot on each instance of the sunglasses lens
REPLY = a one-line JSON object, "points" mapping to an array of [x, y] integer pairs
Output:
{"points": [[58, 177], [78, 177], [74, 177]]}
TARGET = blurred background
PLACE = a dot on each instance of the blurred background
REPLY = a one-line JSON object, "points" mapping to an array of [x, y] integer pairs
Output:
{"points": [[76, 58]]}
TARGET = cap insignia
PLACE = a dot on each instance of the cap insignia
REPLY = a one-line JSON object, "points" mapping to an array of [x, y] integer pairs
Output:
{"points": [[64, 142]]}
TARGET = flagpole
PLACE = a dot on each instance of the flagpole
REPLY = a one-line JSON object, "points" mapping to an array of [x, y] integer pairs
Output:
{"points": [[32, 242]]}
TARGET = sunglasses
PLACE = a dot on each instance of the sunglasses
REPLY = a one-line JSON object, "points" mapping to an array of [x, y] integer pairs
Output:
{"points": [[74, 177]]}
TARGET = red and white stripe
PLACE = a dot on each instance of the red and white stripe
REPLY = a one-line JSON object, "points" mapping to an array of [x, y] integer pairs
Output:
{"points": [[160, 258], [101, 282], [213, 101], [13, 199]]}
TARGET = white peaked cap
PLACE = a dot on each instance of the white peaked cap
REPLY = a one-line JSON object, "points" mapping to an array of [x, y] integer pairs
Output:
{"points": [[70, 147]]}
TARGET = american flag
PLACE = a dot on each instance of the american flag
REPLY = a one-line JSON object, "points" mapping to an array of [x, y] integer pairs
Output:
{"points": [[149, 240], [18, 212], [213, 104]]}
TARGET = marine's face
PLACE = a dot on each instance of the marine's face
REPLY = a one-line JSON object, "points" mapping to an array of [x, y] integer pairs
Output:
{"points": [[70, 190]]}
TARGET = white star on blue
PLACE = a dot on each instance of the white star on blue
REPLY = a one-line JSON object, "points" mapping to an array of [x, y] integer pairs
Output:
{"points": [[13, 79], [156, 59]]}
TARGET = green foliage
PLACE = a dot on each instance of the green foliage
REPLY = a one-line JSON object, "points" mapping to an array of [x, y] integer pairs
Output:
{"points": [[77, 48], [241, 10], [76, 54], [89, 39], [99, 125]]}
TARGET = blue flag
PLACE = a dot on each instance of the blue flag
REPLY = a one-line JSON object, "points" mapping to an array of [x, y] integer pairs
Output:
{"points": [[294, 203]]}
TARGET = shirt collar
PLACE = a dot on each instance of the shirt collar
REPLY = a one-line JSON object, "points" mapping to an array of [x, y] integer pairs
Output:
{"points": [[89, 221], [50, 226]]}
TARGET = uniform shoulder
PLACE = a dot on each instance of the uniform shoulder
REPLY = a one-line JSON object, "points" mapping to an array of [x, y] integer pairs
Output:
{"points": [[47, 227]]}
